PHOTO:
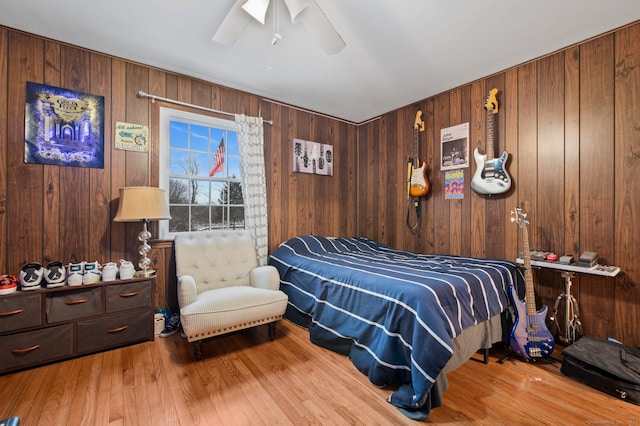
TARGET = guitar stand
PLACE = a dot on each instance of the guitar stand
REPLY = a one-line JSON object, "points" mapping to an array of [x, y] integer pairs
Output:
{"points": [[572, 325]]}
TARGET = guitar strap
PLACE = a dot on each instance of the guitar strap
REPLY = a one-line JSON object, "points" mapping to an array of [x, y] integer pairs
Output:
{"points": [[415, 227]]}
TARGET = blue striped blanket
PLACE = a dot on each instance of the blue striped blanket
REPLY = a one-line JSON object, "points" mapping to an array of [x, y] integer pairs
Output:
{"points": [[394, 313]]}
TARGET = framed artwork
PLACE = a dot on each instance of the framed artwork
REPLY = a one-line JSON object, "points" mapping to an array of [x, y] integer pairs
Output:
{"points": [[312, 157], [63, 127], [454, 143]]}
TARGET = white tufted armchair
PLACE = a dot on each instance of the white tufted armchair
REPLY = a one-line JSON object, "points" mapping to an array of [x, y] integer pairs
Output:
{"points": [[221, 288]]}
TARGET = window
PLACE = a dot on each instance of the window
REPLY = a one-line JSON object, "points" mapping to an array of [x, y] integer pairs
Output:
{"points": [[201, 172]]}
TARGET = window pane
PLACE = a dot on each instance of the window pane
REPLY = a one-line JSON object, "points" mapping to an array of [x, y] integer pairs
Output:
{"points": [[199, 138], [178, 162], [179, 133], [199, 164], [220, 170], [217, 136], [233, 167], [199, 218], [235, 193], [179, 219], [232, 143], [218, 192], [200, 190], [179, 191], [216, 217], [236, 217]]}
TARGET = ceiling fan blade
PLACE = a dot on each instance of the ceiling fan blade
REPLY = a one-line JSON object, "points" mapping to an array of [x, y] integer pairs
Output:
{"points": [[232, 24], [320, 27], [295, 8], [257, 9]]}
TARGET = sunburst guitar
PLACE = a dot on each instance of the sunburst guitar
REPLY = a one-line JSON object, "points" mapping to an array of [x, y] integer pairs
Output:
{"points": [[419, 184], [491, 176], [530, 337]]}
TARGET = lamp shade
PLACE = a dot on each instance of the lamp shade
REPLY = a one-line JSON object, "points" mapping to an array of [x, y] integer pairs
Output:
{"points": [[142, 202]]}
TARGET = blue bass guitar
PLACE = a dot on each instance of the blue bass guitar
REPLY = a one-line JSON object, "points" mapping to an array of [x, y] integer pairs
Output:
{"points": [[530, 337]]}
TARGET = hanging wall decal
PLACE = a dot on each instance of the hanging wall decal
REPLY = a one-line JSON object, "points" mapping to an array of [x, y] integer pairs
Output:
{"points": [[63, 127], [312, 157]]}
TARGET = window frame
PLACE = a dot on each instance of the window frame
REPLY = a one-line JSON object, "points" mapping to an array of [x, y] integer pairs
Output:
{"points": [[171, 114]]}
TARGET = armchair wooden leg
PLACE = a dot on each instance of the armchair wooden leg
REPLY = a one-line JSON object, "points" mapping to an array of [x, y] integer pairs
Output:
{"points": [[197, 349], [272, 330]]}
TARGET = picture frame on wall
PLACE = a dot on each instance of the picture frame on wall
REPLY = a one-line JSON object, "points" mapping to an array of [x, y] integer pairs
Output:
{"points": [[312, 157], [63, 127], [454, 142]]}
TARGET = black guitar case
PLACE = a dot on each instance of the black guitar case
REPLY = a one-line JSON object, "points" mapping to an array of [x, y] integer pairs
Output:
{"points": [[605, 365]]}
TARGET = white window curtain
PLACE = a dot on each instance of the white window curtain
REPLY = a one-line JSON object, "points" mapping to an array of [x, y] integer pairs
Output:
{"points": [[254, 187]]}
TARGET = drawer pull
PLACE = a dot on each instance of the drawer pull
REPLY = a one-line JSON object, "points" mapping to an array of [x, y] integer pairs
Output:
{"points": [[133, 293], [119, 329], [75, 302], [26, 350], [9, 313]]}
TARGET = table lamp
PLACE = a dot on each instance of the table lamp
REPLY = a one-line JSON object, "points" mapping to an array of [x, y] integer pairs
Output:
{"points": [[143, 204]]}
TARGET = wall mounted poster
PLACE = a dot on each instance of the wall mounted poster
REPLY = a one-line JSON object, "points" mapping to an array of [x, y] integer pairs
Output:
{"points": [[454, 184], [63, 127], [454, 147], [312, 157]]}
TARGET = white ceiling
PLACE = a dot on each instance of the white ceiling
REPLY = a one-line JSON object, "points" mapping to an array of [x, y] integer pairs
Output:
{"points": [[398, 51]]}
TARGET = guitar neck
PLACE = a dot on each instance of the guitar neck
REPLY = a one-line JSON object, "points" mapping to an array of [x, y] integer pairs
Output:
{"points": [[529, 298], [489, 150]]}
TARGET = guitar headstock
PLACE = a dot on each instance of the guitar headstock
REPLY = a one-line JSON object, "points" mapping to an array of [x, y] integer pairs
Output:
{"points": [[519, 216], [418, 123], [491, 105]]}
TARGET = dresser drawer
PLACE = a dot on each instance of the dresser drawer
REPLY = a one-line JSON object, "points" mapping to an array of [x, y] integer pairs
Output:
{"points": [[20, 311], [122, 297], [34, 347], [73, 304], [115, 330]]}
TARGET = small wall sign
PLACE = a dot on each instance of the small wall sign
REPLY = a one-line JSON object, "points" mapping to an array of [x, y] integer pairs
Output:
{"points": [[132, 137]]}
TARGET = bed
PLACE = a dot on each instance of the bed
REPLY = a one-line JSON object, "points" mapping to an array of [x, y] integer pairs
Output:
{"points": [[404, 319]]}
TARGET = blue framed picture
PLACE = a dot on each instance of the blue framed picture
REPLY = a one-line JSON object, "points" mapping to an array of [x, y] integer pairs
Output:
{"points": [[63, 127]]}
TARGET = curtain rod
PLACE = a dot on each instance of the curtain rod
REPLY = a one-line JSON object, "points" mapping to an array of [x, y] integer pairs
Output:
{"points": [[153, 98]]}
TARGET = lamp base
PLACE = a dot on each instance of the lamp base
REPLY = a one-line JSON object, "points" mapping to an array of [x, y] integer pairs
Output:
{"points": [[145, 274]]}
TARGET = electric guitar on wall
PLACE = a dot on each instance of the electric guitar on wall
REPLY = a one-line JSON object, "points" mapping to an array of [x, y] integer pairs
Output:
{"points": [[530, 337], [419, 183], [490, 177]]}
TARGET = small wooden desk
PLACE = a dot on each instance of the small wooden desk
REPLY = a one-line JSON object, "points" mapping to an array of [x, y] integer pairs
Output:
{"points": [[572, 324]]}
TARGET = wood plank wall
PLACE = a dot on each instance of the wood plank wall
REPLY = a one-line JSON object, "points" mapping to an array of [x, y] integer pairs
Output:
{"points": [[571, 123], [65, 213]]}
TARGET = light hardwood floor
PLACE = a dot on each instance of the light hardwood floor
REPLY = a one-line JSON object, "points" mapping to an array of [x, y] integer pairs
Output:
{"points": [[245, 379]]}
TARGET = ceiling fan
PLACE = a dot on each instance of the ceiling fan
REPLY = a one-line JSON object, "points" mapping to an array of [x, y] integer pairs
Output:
{"points": [[305, 11]]}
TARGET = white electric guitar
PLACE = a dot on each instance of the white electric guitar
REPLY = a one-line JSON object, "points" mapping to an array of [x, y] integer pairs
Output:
{"points": [[490, 177]]}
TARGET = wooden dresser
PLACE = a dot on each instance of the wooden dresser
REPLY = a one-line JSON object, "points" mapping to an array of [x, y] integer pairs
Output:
{"points": [[47, 325]]}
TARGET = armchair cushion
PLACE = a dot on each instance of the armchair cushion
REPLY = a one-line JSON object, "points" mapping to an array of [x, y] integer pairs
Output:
{"points": [[228, 309]]}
